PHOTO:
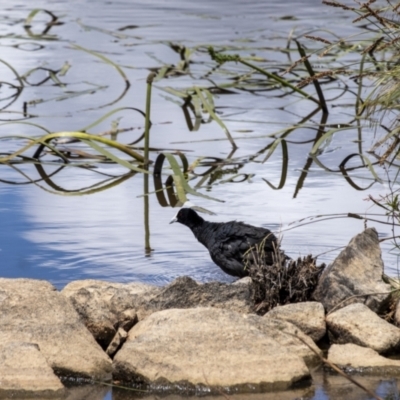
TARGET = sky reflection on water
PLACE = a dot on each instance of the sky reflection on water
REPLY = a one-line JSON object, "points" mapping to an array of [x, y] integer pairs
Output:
{"points": [[101, 236]]}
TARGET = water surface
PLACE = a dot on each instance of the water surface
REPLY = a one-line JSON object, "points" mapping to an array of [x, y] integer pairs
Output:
{"points": [[63, 238]]}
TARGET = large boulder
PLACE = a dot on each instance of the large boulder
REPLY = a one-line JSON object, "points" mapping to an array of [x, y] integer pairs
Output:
{"points": [[33, 311], [309, 316], [355, 276], [350, 357], [24, 372], [205, 349], [104, 306], [359, 325]]}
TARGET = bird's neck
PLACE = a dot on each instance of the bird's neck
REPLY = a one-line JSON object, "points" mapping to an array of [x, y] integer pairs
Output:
{"points": [[202, 231], [197, 227]]}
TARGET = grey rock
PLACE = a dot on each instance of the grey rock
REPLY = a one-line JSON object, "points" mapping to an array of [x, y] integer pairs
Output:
{"points": [[33, 311], [24, 372], [126, 319], [184, 292], [357, 324], [105, 306], [396, 316], [357, 271], [204, 349], [118, 340], [309, 316], [351, 357], [289, 336]]}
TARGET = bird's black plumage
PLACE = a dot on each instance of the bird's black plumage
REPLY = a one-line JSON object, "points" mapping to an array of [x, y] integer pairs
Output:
{"points": [[229, 242]]}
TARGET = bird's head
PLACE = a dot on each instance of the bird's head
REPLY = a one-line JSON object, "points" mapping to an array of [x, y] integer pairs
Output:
{"points": [[188, 217]]}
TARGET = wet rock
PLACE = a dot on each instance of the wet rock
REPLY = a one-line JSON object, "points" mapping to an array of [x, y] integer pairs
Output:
{"points": [[33, 311], [118, 340], [357, 324], [357, 271], [105, 306], [309, 316], [204, 349], [24, 372], [351, 357]]}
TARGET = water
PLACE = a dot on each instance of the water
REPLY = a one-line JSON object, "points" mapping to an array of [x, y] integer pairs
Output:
{"points": [[101, 236], [327, 386], [53, 234]]}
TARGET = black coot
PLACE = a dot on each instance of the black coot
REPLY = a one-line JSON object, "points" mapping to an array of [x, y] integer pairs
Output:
{"points": [[228, 242]]}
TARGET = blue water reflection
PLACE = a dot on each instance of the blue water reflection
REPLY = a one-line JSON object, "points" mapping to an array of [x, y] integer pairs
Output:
{"points": [[61, 237]]}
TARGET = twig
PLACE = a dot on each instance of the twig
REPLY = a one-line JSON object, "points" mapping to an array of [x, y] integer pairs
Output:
{"points": [[355, 296]]}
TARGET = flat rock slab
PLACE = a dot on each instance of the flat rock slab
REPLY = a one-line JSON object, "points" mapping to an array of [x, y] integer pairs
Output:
{"points": [[33, 311], [206, 349], [351, 357], [24, 372], [359, 325], [289, 336], [104, 305], [357, 270], [309, 316]]}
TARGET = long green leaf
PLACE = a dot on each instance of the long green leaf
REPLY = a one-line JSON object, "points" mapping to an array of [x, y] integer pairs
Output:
{"points": [[214, 116], [178, 175], [76, 135], [113, 157]]}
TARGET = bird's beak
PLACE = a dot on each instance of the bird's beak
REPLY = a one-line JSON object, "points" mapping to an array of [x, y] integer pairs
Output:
{"points": [[173, 220]]}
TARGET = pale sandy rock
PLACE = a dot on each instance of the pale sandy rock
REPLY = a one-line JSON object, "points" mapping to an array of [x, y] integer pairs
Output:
{"points": [[357, 270], [33, 311], [105, 306], [126, 319], [118, 340], [289, 336], [350, 357], [357, 324], [206, 348], [24, 372], [309, 316]]}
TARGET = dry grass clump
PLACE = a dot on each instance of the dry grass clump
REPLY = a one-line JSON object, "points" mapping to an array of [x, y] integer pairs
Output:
{"points": [[286, 281]]}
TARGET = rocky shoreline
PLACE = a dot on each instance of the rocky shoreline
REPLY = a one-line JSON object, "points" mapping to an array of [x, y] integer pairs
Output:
{"points": [[196, 338]]}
